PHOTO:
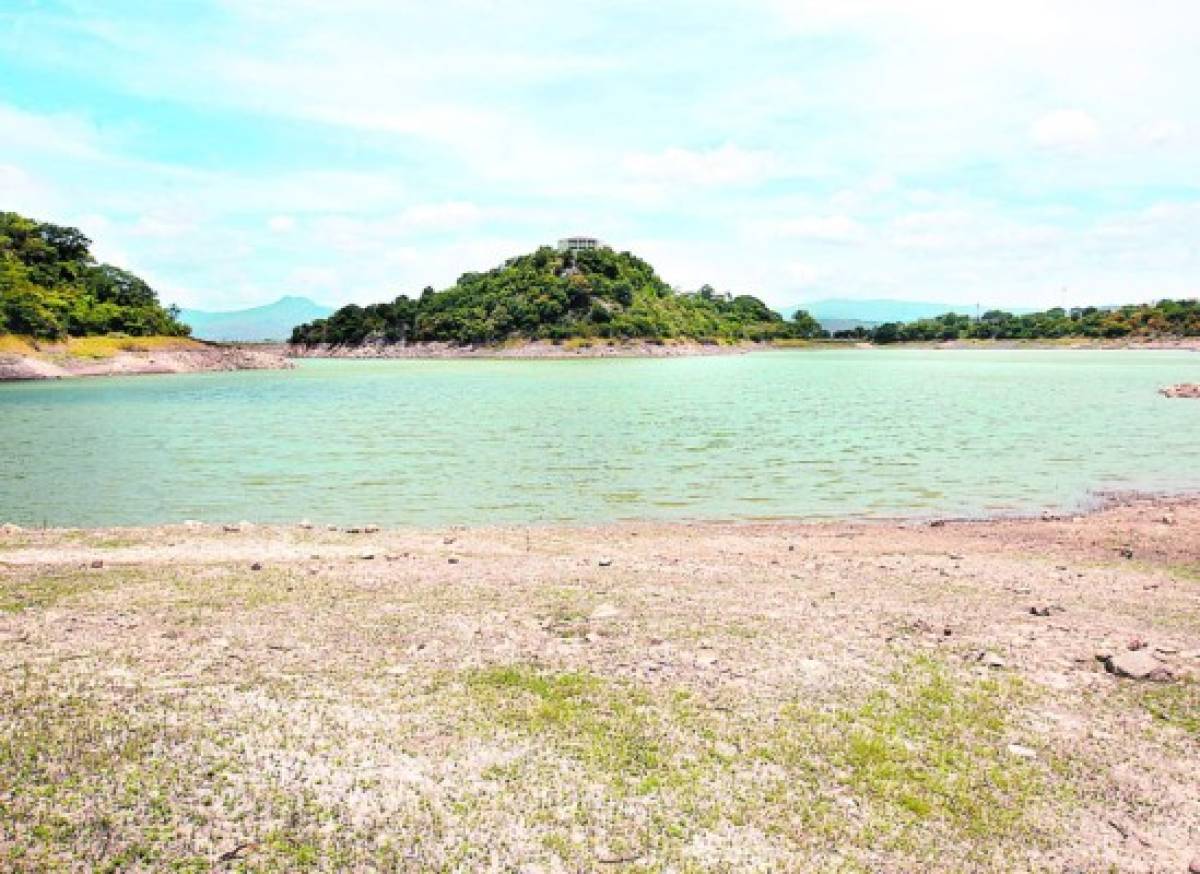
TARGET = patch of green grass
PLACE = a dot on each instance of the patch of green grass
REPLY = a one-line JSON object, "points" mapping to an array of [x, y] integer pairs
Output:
{"points": [[49, 590], [918, 765], [604, 726], [925, 755], [1189, 572], [1176, 704]]}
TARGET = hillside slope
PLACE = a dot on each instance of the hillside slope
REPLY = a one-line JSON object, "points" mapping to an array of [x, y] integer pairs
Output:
{"points": [[552, 295], [51, 287]]}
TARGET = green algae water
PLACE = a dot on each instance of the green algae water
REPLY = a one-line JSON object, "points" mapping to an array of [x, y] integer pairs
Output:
{"points": [[804, 433]]}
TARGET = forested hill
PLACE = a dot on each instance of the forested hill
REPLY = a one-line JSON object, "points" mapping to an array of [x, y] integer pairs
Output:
{"points": [[553, 295], [51, 287], [1167, 318]]}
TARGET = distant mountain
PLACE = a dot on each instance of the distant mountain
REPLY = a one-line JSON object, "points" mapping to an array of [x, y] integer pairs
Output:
{"points": [[837, 314], [271, 322]]}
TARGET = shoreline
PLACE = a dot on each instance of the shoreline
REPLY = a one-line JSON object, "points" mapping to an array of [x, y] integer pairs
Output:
{"points": [[547, 350], [24, 360], [150, 356], [528, 350], [1096, 504]]}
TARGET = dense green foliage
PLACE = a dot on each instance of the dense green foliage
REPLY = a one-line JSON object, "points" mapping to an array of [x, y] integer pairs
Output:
{"points": [[51, 287], [1167, 318], [552, 295]]}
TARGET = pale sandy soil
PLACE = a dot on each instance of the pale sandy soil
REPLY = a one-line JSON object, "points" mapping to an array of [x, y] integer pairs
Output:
{"points": [[52, 361], [642, 697]]}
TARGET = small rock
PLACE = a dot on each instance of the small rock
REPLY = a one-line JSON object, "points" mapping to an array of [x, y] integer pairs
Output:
{"points": [[257, 566], [231, 529], [1167, 519], [449, 540], [1126, 552], [1135, 643], [1138, 665], [452, 561], [1022, 752], [97, 563], [1194, 866], [606, 562], [370, 529], [306, 525], [605, 611], [1040, 610], [990, 660], [367, 556], [354, 530]]}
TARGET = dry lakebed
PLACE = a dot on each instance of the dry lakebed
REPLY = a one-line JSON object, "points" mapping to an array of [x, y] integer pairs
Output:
{"points": [[1012, 695]]}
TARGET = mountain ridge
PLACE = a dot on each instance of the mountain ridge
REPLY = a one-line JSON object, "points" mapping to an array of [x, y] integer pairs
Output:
{"points": [[272, 321]]}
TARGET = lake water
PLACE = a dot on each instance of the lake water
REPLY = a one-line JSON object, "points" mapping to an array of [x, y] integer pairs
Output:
{"points": [[805, 433]]}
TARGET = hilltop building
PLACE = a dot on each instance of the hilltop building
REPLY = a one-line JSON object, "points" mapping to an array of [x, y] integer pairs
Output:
{"points": [[579, 244]]}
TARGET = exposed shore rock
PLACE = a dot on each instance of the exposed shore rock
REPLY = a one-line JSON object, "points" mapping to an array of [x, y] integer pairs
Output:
{"points": [[187, 356], [530, 349], [1183, 390]]}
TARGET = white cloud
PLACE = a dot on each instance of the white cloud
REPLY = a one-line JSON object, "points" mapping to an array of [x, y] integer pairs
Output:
{"points": [[450, 216], [822, 229], [727, 165], [20, 191], [281, 224], [1067, 129], [63, 134], [1162, 133]]}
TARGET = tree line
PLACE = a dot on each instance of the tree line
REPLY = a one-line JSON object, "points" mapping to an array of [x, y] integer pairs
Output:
{"points": [[51, 287], [553, 295], [1166, 318]]}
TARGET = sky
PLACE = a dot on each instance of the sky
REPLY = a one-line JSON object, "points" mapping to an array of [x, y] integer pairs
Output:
{"points": [[1029, 153]]}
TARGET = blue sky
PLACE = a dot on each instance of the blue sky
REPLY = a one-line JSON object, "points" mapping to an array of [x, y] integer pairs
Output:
{"points": [[232, 151]]}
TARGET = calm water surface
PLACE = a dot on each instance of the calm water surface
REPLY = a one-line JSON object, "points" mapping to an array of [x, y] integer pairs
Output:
{"points": [[803, 433]]}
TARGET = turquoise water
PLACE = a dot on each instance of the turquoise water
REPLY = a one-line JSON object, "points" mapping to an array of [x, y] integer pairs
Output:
{"points": [[805, 433]]}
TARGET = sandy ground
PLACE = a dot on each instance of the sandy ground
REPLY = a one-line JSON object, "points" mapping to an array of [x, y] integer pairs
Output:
{"points": [[188, 357], [643, 697]]}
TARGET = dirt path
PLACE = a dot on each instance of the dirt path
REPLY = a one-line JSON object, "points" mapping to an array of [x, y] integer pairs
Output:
{"points": [[640, 697]]}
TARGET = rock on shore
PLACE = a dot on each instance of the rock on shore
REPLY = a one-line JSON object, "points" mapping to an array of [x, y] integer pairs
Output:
{"points": [[183, 356], [1183, 390]]}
